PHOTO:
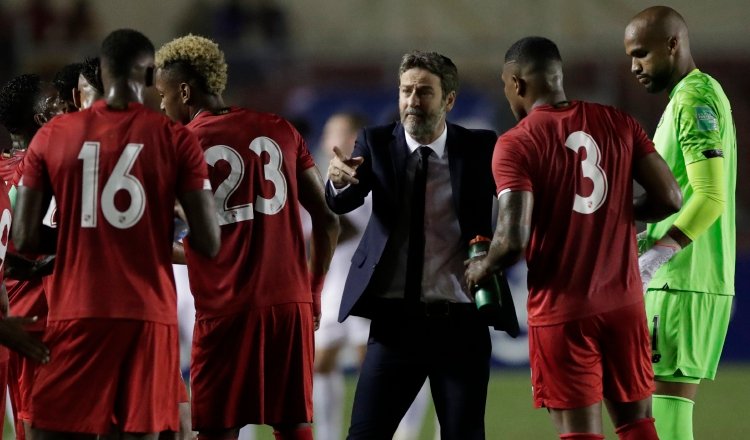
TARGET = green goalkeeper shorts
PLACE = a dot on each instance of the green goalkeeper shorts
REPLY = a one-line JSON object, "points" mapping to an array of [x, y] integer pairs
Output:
{"points": [[687, 330]]}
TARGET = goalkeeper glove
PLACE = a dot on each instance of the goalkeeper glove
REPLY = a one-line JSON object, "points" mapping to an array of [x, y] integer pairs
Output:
{"points": [[651, 260]]}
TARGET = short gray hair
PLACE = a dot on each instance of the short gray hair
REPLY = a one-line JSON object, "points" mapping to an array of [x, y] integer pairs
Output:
{"points": [[436, 64]]}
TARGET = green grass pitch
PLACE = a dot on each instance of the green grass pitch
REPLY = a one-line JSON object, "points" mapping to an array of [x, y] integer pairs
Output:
{"points": [[721, 410]]}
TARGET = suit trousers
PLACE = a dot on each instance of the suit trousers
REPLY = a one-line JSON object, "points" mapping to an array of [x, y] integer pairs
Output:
{"points": [[445, 342]]}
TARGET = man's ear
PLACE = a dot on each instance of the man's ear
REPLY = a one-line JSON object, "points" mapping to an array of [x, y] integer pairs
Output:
{"points": [[185, 92], [40, 119], [519, 84], [450, 101], [149, 76], [77, 99], [672, 44]]}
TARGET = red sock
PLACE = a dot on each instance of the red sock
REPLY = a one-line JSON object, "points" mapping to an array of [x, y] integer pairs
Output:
{"points": [[303, 433], [581, 436], [642, 429]]}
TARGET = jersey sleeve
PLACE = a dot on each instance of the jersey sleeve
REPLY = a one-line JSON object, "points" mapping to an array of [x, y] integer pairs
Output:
{"points": [[193, 170], [510, 165], [698, 129], [642, 144], [32, 172]]}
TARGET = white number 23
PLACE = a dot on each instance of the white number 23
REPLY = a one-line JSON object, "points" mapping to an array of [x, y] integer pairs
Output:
{"points": [[271, 172]]}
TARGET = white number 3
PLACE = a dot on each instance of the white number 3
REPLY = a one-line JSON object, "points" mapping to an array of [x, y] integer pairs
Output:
{"points": [[589, 169]]}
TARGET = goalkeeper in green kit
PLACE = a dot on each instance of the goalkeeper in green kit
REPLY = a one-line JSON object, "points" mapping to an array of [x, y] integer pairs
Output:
{"points": [[687, 260]]}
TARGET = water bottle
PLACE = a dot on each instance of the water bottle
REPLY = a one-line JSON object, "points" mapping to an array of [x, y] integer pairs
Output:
{"points": [[487, 294]]}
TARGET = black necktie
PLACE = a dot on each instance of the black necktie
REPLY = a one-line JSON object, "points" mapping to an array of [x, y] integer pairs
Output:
{"points": [[415, 259]]}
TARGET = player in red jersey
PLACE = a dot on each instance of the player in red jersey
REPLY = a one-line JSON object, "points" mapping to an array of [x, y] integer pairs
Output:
{"points": [[116, 170], [26, 103], [12, 333], [564, 179], [252, 360], [89, 90]]}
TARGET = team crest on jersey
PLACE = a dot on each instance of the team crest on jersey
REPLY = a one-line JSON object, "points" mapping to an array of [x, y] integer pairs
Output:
{"points": [[706, 119]]}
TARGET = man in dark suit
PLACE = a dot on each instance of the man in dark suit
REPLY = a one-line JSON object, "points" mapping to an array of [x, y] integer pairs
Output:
{"points": [[432, 192]]}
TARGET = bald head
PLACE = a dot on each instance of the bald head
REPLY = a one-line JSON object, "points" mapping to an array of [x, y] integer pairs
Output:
{"points": [[659, 22], [657, 41]]}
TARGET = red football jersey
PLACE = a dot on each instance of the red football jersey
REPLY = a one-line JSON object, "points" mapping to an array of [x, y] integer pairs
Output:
{"points": [[8, 163], [5, 220], [577, 161], [25, 297], [254, 159], [115, 175]]}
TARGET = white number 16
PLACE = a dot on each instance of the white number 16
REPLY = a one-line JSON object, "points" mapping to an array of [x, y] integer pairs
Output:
{"points": [[120, 179]]}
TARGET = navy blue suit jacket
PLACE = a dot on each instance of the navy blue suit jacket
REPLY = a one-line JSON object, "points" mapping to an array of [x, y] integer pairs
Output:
{"points": [[383, 172]]}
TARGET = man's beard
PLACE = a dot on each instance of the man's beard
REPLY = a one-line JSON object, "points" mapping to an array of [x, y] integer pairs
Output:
{"points": [[423, 125]]}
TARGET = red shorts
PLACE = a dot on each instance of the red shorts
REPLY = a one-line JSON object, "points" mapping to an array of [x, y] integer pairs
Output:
{"points": [[3, 384], [105, 374], [20, 379], [576, 364], [253, 367]]}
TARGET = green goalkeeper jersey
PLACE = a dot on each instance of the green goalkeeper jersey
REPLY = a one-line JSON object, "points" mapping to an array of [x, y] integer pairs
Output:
{"points": [[697, 125]]}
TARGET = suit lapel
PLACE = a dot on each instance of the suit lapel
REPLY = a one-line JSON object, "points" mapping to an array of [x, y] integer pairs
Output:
{"points": [[399, 152], [456, 166]]}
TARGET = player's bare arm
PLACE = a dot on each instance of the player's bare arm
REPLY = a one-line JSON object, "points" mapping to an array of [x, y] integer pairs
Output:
{"points": [[325, 231], [200, 211], [342, 169], [27, 223], [662, 196], [13, 336], [21, 268], [510, 239]]}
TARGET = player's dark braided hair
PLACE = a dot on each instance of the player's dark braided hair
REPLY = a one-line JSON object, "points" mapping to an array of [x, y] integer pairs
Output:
{"points": [[66, 79], [18, 101]]}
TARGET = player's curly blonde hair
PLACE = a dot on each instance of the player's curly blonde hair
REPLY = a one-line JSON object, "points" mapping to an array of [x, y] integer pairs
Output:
{"points": [[200, 55]]}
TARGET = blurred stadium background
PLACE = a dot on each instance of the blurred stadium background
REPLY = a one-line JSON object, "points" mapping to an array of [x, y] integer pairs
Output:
{"points": [[308, 59]]}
